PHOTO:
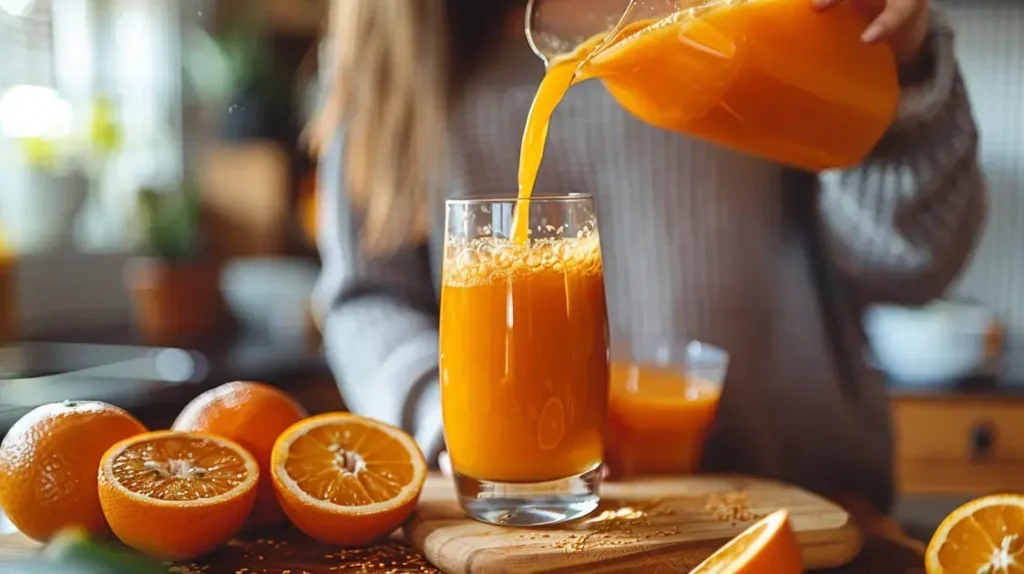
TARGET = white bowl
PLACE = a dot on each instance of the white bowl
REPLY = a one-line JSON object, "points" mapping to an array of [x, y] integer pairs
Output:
{"points": [[939, 343], [270, 294]]}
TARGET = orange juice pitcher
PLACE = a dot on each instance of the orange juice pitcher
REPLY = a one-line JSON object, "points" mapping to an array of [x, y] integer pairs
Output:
{"points": [[772, 78]]}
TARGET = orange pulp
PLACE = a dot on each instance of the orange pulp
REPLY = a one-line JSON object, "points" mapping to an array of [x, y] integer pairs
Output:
{"points": [[771, 78], [980, 536], [657, 419], [524, 358], [768, 547], [177, 495], [345, 480]]}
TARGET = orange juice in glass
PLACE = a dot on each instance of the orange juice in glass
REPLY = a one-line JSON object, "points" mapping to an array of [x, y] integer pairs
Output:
{"points": [[662, 401], [524, 357]]}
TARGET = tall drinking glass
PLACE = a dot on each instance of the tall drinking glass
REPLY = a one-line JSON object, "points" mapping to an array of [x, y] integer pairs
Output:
{"points": [[524, 358]]}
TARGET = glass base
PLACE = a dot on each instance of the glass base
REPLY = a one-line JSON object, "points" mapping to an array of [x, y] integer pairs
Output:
{"points": [[526, 504]]}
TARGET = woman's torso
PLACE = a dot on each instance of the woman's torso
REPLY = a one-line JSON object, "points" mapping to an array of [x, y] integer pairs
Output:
{"points": [[697, 245]]}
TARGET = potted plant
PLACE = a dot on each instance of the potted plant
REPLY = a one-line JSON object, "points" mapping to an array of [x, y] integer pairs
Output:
{"points": [[44, 187], [96, 226], [174, 286], [259, 105], [236, 72]]}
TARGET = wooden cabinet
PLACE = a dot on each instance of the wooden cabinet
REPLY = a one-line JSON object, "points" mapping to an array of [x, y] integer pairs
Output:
{"points": [[245, 191], [970, 444], [292, 17], [296, 16]]}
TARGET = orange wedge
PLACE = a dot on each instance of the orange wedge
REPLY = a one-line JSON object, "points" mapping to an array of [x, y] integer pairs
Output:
{"points": [[177, 495], [985, 535], [346, 480], [768, 547]]}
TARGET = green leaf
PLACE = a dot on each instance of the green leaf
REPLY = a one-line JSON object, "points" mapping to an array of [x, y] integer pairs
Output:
{"points": [[73, 552], [170, 223]]}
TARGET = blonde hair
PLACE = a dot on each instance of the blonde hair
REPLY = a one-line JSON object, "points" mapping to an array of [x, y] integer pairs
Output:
{"points": [[397, 64], [389, 93]]}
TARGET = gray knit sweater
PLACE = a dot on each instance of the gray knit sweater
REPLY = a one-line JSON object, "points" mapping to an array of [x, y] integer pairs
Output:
{"points": [[697, 244]]}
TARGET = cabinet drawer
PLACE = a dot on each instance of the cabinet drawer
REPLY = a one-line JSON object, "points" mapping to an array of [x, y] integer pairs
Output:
{"points": [[959, 445], [950, 476]]}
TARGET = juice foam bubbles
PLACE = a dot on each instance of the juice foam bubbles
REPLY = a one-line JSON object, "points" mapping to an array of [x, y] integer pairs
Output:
{"points": [[490, 260]]}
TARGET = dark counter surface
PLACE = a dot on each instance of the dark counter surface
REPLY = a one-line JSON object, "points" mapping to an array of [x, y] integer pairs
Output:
{"points": [[114, 366]]}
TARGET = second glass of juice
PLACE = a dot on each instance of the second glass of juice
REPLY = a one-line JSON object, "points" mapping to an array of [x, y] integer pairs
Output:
{"points": [[524, 357], [663, 399]]}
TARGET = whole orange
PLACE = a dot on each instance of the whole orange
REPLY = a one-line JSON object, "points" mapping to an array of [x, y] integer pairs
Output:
{"points": [[49, 461], [253, 415]]}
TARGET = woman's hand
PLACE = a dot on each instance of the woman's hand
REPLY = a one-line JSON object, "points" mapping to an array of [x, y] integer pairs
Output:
{"points": [[901, 23]]}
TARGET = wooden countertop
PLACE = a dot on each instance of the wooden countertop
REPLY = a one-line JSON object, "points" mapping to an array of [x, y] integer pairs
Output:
{"points": [[278, 554], [886, 551]]}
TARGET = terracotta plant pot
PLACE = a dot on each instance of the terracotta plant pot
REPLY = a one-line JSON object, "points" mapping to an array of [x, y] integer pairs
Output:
{"points": [[9, 319], [175, 301]]}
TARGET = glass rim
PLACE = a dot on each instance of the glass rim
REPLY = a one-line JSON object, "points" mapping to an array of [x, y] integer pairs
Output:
{"points": [[513, 199]]}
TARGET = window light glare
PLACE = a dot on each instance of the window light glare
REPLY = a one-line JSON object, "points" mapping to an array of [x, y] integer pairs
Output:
{"points": [[17, 7], [34, 112]]}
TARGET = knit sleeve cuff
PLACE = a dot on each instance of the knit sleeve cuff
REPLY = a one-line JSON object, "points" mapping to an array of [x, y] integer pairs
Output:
{"points": [[428, 422], [924, 96]]}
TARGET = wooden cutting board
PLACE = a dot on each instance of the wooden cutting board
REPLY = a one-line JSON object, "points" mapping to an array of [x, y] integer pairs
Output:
{"points": [[648, 525]]}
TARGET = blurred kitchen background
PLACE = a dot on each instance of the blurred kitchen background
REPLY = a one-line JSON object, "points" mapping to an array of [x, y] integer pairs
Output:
{"points": [[157, 224], [156, 206]]}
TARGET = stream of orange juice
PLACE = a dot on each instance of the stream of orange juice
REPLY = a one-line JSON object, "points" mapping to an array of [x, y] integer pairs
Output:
{"points": [[772, 78], [657, 419]]}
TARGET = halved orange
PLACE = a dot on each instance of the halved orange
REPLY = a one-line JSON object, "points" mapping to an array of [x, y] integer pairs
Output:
{"points": [[984, 535], [177, 495], [346, 480], [768, 547]]}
